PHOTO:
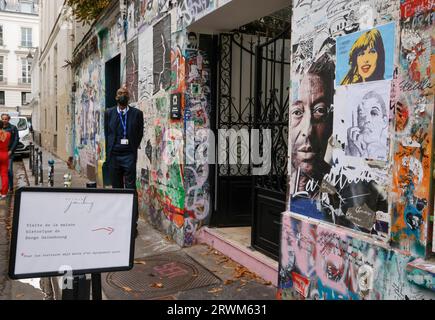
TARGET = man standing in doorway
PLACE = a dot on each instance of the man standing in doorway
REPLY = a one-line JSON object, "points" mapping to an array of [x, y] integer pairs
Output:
{"points": [[123, 129], [13, 144]]}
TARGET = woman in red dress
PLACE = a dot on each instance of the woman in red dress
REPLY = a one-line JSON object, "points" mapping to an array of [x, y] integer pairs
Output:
{"points": [[5, 137]]}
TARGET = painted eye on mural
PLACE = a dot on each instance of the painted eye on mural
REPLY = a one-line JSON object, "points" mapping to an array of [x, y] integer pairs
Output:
{"points": [[297, 111], [375, 112], [372, 51], [320, 111]]}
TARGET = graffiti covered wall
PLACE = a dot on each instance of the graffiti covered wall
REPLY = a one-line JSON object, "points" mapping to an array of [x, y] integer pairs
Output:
{"points": [[414, 104], [89, 140], [361, 119], [341, 159], [323, 262], [335, 176], [174, 196]]}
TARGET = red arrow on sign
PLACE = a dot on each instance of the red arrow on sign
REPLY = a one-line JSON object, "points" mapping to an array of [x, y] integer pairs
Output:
{"points": [[109, 229]]}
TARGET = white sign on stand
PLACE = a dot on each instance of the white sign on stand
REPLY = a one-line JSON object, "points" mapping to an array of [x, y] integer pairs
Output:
{"points": [[83, 230]]}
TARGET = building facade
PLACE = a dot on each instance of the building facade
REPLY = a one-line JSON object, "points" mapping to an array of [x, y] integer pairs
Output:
{"points": [[56, 48], [59, 35], [19, 36], [347, 216], [36, 96]]}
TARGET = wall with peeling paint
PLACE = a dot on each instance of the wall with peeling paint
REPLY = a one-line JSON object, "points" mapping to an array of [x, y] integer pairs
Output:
{"points": [[372, 197]]}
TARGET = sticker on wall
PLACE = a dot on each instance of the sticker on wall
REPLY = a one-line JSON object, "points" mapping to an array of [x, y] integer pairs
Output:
{"points": [[361, 119], [366, 56]]}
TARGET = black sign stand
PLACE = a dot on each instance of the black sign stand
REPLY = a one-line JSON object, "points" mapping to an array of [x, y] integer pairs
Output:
{"points": [[97, 292]]}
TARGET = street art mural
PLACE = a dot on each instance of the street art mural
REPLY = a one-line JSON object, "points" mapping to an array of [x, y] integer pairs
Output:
{"points": [[149, 11], [413, 136], [188, 11], [89, 140], [339, 168], [320, 262], [89, 99], [366, 55], [196, 122], [173, 196], [360, 150], [176, 195]]}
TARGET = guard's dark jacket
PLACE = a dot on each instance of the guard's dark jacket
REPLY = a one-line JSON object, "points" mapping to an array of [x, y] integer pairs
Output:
{"points": [[135, 129]]}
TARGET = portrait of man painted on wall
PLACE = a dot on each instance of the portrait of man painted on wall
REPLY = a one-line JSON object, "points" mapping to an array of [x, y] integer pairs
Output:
{"points": [[362, 119], [368, 137], [192, 41], [310, 129]]}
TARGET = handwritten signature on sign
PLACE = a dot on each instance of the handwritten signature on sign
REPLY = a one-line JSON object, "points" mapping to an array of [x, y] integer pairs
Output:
{"points": [[82, 203]]}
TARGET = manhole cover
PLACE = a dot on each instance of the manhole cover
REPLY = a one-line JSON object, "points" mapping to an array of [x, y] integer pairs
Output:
{"points": [[158, 276]]}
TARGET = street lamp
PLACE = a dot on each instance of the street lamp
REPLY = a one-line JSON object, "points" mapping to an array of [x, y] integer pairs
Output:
{"points": [[18, 109]]}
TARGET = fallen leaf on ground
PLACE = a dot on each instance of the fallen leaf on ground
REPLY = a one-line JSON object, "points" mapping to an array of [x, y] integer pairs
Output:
{"points": [[227, 282], [223, 260], [139, 262], [127, 289], [215, 290], [20, 295], [156, 285]]}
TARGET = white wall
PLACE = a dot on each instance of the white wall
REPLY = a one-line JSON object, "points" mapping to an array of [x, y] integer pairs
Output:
{"points": [[57, 43]]}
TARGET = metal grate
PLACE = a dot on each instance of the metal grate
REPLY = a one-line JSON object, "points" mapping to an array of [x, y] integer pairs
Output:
{"points": [[159, 276]]}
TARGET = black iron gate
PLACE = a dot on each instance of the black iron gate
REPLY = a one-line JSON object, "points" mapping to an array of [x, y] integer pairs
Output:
{"points": [[253, 80], [235, 112], [269, 189]]}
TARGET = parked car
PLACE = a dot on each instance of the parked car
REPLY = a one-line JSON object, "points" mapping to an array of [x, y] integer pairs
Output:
{"points": [[25, 135]]}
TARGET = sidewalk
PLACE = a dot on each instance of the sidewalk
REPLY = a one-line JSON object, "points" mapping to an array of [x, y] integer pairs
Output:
{"points": [[163, 270]]}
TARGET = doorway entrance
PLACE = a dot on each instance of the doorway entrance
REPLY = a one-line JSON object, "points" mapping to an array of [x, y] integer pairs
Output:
{"points": [[112, 72], [253, 93]]}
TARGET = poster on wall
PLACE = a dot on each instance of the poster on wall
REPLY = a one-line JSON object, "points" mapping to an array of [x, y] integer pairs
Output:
{"points": [[361, 119], [338, 170], [162, 54], [132, 70], [366, 55]]}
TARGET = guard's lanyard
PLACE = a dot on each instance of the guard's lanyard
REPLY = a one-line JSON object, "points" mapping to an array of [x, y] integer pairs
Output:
{"points": [[124, 124]]}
